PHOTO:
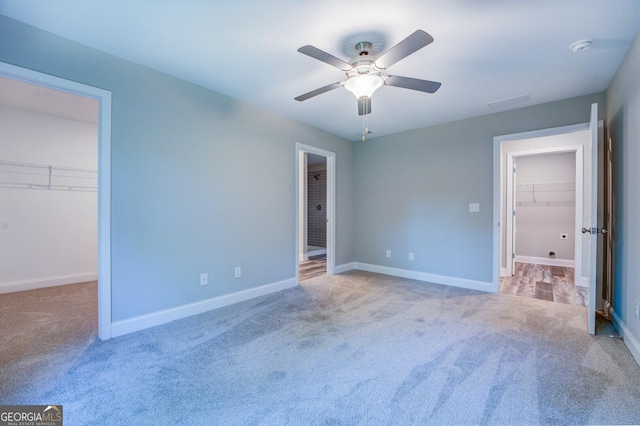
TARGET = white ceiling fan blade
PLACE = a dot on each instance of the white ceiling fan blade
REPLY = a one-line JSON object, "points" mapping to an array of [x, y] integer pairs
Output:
{"points": [[412, 83], [318, 91], [406, 47], [325, 57]]}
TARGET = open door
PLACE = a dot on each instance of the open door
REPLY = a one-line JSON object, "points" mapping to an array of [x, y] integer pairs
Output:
{"points": [[590, 230], [607, 275], [514, 226]]}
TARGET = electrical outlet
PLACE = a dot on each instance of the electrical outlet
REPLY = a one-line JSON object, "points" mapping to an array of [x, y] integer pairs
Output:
{"points": [[410, 256], [474, 207], [204, 278], [564, 236], [637, 310], [388, 253], [237, 272]]}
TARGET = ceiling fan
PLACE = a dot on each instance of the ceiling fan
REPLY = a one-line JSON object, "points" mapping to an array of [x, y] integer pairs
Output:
{"points": [[364, 73]]}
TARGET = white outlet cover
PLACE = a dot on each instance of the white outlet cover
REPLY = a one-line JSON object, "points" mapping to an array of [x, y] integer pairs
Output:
{"points": [[204, 278], [474, 207]]}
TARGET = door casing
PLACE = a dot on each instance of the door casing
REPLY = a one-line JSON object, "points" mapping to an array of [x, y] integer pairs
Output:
{"points": [[501, 192], [301, 149]]}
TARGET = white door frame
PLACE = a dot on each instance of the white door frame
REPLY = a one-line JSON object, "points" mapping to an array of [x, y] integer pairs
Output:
{"points": [[500, 193], [301, 149], [104, 176]]}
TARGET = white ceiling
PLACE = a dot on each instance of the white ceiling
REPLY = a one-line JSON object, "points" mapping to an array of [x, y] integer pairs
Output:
{"points": [[483, 51]]}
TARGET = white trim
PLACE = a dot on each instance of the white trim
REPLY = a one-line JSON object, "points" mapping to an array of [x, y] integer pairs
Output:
{"points": [[345, 267], [104, 176], [302, 204], [509, 220], [424, 276], [316, 252], [567, 263], [629, 339], [331, 204], [23, 285], [142, 322], [307, 255], [552, 131], [498, 219]]}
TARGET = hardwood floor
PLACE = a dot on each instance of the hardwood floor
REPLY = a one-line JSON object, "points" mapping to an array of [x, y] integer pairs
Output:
{"points": [[552, 283], [315, 266]]}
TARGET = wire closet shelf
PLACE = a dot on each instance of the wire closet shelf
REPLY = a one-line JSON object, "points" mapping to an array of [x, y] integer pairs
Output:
{"points": [[562, 193], [45, 176]]}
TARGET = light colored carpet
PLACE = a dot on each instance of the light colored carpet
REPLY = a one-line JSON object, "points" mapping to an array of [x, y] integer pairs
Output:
{"points": [[355, 348]]}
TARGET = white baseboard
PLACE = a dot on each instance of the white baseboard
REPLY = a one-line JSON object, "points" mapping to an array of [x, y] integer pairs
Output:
{"points": [[13, 286], [305, 256], [568, 263], [629, 339], [119, 328], [432, 278], [338, 269]]}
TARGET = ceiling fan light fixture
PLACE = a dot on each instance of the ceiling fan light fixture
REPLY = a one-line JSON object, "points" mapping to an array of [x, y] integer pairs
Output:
{"points": [[363, 85]]}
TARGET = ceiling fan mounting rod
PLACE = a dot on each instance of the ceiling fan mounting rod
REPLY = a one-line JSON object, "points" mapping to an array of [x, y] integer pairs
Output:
{"points": [[363, 48]]}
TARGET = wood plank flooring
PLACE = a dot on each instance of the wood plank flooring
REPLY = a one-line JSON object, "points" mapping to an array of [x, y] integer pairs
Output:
{"points": [[552, 283], [315, 266]]}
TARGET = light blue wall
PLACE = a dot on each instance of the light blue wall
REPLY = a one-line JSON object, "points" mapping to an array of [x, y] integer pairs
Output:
{"points": [[413, 190], [200, 182], [623, 116]]}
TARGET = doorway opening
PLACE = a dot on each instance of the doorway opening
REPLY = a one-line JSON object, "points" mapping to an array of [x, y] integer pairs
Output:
{"points": [[543, 223], [539, 185], [103, 98], [315, 204], [313, 253]]}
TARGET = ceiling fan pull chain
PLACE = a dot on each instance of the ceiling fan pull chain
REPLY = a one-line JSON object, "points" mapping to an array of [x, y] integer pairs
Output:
{"points": [[365, 129]]}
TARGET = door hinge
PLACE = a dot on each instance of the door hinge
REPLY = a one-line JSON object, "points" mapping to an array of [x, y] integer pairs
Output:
{"points": [[513, 255], [513, 213]]}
